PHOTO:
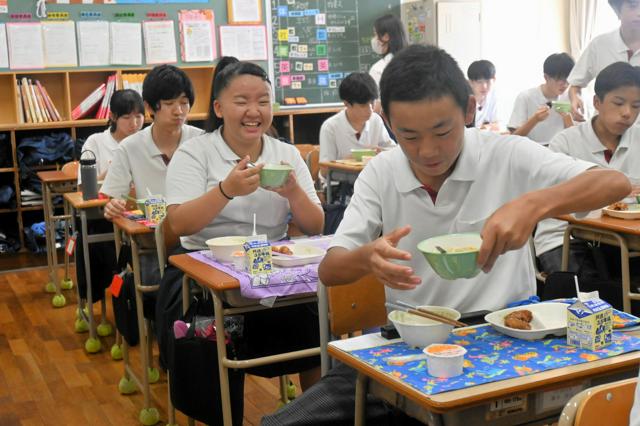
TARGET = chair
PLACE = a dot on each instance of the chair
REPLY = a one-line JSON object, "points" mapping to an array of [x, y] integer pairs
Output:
{"points": [[313, 162], [612, 401], [71, 169], [304, 148], [349, 308]]}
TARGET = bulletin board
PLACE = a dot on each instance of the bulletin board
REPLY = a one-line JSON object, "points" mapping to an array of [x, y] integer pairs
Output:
{"points": [[139, 8], [316, 43]]}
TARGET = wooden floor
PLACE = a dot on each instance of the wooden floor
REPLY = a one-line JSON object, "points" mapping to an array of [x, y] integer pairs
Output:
{"points": [[46, 377]]}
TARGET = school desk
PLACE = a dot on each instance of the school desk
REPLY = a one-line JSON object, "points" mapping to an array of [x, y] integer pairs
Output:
{"points": [[224, 288], [622, 233], [54, 183], [89, 209], [340, 171], [535, 399], [140, 238]]}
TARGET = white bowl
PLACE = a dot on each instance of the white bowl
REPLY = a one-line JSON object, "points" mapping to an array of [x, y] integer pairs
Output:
{"points": [[421, 332], [222, 248]]}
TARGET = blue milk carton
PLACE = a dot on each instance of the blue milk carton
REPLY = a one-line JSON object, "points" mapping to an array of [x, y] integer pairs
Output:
{"points": [[589, 324]]}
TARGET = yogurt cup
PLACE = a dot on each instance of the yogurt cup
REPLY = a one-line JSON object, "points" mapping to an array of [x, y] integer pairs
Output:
{"points": [[239, 260], [444, 360]]}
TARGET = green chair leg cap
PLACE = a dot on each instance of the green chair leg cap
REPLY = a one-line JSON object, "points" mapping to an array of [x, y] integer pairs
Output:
{"points": [[149, 416], [66, 284], [58, 301], [116, 352], [104, 329], [154, 375], [126, 386], [85, 310], [291, 390], [81, 326], [92, 345], [50, 287]]}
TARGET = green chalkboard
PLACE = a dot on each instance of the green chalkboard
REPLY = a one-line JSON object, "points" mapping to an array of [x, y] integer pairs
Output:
{"points": [[110, 12], [316, 43]]}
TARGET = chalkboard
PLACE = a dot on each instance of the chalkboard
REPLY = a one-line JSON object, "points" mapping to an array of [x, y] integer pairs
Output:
{"points": [[316, 43]]}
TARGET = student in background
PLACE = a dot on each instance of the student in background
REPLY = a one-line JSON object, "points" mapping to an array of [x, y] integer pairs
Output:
{"points": [[141, 160], [621, 44], [482, 76], [212, 192], [440, 178], [389, 37], [610, 140], [125, 119], [532, 114], [356, 126]]}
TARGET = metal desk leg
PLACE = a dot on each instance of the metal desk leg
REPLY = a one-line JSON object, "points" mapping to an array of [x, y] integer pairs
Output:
{"points": [[361, 400], [323, 317], [58, 300], [566, 247], [329, 180], [222, 356], [80, 325], [67, 283], [117, 348], [92, 345]]}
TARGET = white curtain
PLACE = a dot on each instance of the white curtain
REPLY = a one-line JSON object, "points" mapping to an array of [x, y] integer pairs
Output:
{"points": [[582, 18]]}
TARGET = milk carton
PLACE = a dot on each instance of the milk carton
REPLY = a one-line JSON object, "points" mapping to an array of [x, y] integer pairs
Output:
{"points": [[589, 323], [155, 209], [258, 257]]}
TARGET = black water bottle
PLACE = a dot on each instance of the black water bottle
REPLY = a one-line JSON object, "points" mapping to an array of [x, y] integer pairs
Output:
{"points": [[89, 175]]}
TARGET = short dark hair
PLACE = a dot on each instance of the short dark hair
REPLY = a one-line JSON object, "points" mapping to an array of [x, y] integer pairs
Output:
{"points": [[615, 76], [222, 64], [558, 66], [358, 88], [616, 5], [166, 82], [224, 78], [423, 72], [124, 102], [389, 24], [481, 70]]}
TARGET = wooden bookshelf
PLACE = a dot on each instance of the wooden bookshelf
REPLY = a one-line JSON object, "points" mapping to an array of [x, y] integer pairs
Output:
{"points": [[67, 88]]}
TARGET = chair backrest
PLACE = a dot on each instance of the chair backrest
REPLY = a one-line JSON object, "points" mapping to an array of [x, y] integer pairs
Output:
{"points": [[71, 169], [304, 149], [313, 163], [612, 401]]}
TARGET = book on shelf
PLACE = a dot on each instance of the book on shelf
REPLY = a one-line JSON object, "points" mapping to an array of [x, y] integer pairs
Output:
{"points": [[103, 111], [88, 105], [34, 103], [53, 111], [21, 117], [133, 81]]}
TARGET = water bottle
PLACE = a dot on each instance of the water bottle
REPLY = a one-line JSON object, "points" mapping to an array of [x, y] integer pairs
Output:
{"points": [[89, 176]]}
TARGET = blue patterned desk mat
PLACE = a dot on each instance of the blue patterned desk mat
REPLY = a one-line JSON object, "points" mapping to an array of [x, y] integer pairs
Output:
{"points": [[491, 356]]}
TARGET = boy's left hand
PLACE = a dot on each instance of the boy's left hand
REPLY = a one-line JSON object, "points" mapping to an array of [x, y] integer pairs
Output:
{"points": [[508, 228]]}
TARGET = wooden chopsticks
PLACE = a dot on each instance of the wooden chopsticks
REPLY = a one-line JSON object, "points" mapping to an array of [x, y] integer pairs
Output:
{"points": [[421, 312]]}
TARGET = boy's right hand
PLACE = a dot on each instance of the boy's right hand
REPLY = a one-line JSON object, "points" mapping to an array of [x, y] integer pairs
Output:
{"points": [[114, 208], [242, 180], [542, 113], [383, 250], [577, 108]]}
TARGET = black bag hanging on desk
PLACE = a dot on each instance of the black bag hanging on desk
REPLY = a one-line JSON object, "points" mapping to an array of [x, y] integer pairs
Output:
{"points": [[194, 375], [124, 305]]}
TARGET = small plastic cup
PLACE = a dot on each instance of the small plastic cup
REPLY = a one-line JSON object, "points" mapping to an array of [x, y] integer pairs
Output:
{"points": [[238, 260], [444, 360]]}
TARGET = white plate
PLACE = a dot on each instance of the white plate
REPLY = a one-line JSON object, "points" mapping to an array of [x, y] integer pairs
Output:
{"points": [[548, 318], [303, 254], [632, 213]]}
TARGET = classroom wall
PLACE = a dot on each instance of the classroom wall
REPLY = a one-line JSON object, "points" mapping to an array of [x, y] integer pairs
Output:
{"points": [[518, 47]]}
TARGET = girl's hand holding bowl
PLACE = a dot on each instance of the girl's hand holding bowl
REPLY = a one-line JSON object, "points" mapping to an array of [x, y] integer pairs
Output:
{"points": [[242, 180]]}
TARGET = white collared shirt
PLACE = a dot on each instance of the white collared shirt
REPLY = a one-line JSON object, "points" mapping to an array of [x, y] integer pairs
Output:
{"points": [[487, 113], [104, 146], [526, 104], [377, 69], [491, 170], [139, 161], [201, 164], [602, 51], [582, 143], [337, 137]]}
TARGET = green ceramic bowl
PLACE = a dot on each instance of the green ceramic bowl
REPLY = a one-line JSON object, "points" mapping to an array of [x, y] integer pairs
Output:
{"points": [[561, 106], [274, 175], [140, 203], [358, 153], [460, 259]]}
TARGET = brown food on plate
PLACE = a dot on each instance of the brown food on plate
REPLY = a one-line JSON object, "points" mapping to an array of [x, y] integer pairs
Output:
{"points": [[282, 250], [519, 319], [619, 206]]}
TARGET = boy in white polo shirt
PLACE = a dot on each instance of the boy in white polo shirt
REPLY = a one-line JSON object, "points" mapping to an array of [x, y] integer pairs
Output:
{"points": [[445, 179], [449, 179], [482, 76], [532, 114], [621, 44], [356, 126], [609, 140], [141, 159]]}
